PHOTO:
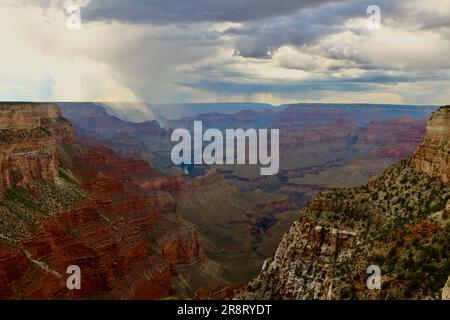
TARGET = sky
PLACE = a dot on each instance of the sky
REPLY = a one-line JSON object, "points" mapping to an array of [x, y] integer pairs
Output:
{"points": [[270, 51]]}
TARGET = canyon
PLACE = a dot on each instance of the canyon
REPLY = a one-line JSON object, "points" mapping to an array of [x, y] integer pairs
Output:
{"points": [[398, 221], [230, 147], [92, 209], [101, 192], [241, 216]]}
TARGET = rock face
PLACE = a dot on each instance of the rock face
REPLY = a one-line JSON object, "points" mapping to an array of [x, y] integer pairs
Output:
{"points": [[313, 251], [433, 155], [145, 140], [26, 116], [398, 222], [27, 145], [446, 290], [66, 204]]}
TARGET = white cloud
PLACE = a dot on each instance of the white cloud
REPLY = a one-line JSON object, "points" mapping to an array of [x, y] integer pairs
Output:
{"points": [[116, 61], [39, 46]]}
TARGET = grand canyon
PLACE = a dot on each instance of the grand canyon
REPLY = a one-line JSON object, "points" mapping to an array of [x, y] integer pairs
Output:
{"points": [[224, 159], [359, 185]]}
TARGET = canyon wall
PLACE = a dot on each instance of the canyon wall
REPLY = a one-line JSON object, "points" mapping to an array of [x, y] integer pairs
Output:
{"points": [[242, 216], [398, 222], [433, 155], [446, 290], [63, 204], [313, 251], [19, 116], [28, 143]]}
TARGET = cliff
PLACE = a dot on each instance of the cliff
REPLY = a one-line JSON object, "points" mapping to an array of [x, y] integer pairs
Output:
{"points": [[19, 116], [433, 155], [313, 251], [68, 204], [29, 134], [399, 221], [145, 140]]}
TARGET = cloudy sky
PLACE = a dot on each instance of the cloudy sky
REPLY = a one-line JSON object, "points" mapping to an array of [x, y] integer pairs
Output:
{"points": [[274, 51]]}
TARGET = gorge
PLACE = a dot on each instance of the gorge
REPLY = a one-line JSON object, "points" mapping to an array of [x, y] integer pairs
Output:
{"points": [[68, 204], [103, 195]]}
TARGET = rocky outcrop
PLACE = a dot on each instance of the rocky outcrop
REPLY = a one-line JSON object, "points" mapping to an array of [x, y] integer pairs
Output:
{"points": [[18, 116], [29, 134], [88, 207], [398, 222], [433, 155], [446, 290], [304, 265]]}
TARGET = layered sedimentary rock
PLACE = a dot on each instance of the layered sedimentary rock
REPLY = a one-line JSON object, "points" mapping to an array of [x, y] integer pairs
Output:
{"points": [[242, 216], [145, 140], [19, 116], [76, 205], [313, 251], [398, 222], [27, 145], [433, 155]]}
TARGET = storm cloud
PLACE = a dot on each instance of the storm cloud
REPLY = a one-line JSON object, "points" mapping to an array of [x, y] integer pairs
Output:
{"points": [[273, 51], [182, 11]]}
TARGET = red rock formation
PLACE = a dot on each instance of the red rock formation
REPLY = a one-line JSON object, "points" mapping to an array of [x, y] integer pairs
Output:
{"points": [[127, 235], [28, 144], [396, 138]]}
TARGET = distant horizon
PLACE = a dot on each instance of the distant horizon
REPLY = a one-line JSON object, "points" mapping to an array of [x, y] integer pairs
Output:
{"points": [[230, 103]]}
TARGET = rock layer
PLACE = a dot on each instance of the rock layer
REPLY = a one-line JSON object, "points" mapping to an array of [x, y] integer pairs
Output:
{"points": [[433, 155], [313, 250], [66, 204], [28, 143], [398, 222]]}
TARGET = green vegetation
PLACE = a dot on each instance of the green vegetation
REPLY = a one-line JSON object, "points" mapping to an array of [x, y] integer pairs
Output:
{"points": [[21, 196], [47, 132], [398, 217], [64, 174], [21, 211], [10, 136]]}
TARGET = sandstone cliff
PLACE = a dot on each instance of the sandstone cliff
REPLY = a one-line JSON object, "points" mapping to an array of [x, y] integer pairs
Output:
{"points": [[28, 143], [66, 204], [313, 252], [433, 155]]}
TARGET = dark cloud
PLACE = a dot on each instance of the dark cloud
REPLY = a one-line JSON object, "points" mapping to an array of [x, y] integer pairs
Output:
{"points": [[225, 87], [177, 45], [257, 40], [367, 82], [305, 27], [188, 11]]}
